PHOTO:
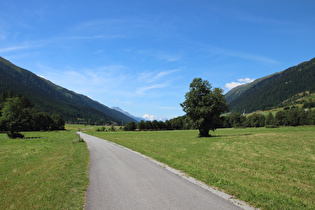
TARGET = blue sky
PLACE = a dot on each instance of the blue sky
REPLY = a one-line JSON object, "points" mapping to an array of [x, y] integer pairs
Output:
{"points": [[141, 55]]}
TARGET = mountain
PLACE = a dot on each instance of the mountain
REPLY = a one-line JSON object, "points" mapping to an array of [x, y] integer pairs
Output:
{"points": [[237, 91], [51, 98], [136, 119], [272, 90], [145, 117]]}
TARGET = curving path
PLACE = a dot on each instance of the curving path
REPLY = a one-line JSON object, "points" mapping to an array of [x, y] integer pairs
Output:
{"points": [[122, 179]]}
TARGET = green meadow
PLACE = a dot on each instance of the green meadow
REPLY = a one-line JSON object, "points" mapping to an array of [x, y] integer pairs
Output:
{"points": [[267, 168], [46, 170]]}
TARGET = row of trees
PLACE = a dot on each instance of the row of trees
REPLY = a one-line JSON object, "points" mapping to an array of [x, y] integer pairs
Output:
{"points": [[17, 114], [290, 117], [178, 123]]}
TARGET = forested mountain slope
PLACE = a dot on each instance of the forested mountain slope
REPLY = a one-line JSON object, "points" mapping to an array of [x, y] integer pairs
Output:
{"points": [[272, 90], [51, 98]]}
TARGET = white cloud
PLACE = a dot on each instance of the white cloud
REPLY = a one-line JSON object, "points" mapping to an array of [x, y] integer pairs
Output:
{"points": [[148, 117], [232, 85], [244, 81], [151, 118]]}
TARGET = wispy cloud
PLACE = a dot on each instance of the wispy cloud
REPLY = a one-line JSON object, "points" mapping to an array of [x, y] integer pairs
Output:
{"points": [[242, 55], [161, 55], [104, 79], [3, 35], [142, 90], [171, 108], [121, 27], [154, 80], [114, 81], [15, 48], [260, 20], [150, 77]]}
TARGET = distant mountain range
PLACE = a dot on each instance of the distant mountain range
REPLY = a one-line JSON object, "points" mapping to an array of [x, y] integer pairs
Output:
{"points": [[272, 90], [145, 117], [137, 119], [51, 98]]}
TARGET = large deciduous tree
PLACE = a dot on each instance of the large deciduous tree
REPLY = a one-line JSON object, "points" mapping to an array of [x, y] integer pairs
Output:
{"points": [[14, 116], [204, 105]]}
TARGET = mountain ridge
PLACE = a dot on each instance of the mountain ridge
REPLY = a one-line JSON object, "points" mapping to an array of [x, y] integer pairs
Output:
{"points": [[272, 90], [137, 119], [49, 97]]}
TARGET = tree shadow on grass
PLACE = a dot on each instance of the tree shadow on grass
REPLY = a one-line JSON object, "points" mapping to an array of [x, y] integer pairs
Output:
{"points": [[242, 134], [220, 135], [32, 137]]}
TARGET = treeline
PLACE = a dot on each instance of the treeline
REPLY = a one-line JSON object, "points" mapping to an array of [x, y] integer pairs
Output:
{"points": [[18, 114], [289, 117], [179, 123]]}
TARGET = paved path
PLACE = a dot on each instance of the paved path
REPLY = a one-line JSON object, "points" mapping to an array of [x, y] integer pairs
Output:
{"points": [[122, 179]]}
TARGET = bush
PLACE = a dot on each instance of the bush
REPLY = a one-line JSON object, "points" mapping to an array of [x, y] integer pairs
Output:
{"points": [[271, 126], [131, 126]]}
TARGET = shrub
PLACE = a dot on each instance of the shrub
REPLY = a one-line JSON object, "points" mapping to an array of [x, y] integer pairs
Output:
{"points": [[271, 126]]}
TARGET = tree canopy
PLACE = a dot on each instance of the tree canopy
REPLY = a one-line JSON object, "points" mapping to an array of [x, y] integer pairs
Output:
{"points": [[204, 105]]}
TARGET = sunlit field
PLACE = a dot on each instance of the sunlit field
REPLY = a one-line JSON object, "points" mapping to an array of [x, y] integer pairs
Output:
{"points": [[47, 170], [268, 168]]}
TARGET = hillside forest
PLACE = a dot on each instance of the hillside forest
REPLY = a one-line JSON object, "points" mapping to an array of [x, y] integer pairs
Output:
{"points": [[18, 114], [272, 90], [48, 97]]}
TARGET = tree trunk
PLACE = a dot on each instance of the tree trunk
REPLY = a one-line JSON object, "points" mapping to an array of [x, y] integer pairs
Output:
{"points": [[204, 132]]}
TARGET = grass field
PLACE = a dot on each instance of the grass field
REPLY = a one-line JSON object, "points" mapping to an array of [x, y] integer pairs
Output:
{"points": [[81, 127], [268, 168], [47, 170]]}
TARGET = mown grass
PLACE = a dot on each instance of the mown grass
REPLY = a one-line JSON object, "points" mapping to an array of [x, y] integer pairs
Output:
{"points": [[47, 170], [268, 168], [81, 127]]}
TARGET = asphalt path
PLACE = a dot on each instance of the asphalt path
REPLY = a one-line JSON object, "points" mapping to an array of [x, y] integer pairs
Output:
{"points": [[122, 179]]}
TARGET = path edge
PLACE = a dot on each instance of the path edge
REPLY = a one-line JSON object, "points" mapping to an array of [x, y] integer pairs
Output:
{"points": [[225, 196]]}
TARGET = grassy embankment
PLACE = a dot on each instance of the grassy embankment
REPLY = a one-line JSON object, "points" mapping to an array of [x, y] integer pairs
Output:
{"points": [[268, 168], [47, 170]]}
